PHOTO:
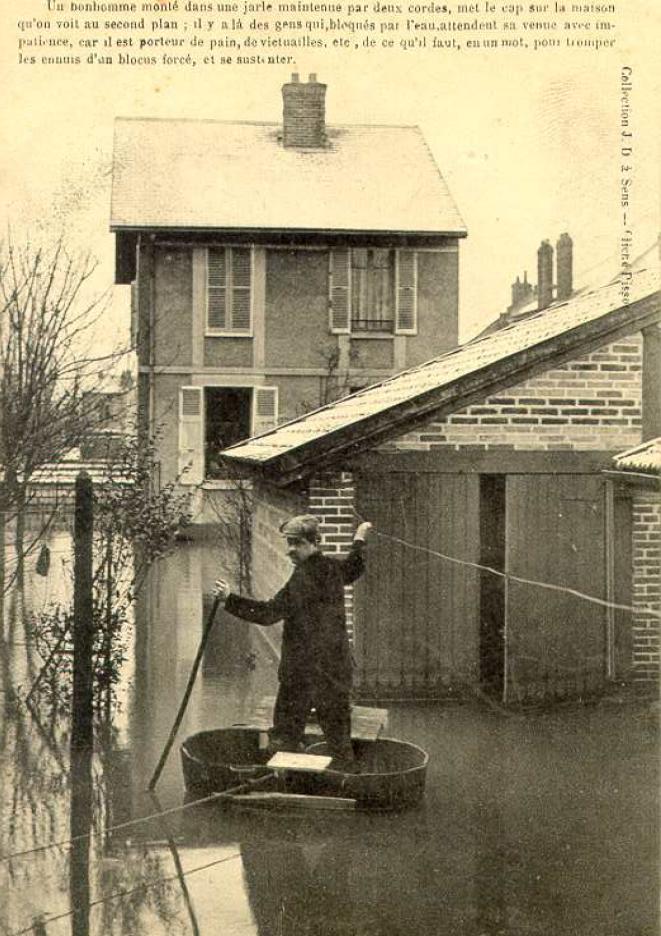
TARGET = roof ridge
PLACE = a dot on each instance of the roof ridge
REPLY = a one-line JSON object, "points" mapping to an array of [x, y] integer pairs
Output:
{"points": [[264, 123]]}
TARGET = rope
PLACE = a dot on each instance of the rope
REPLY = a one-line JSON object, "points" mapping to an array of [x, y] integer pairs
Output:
{"points": [[526, 581], [126, 893], [122, 825], [509, 577]]}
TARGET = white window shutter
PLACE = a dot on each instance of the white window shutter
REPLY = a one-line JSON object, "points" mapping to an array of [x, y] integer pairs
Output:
{"points": [[340, 291], [191, 435], [406, 291], [216, 289], [241, 318], [264, 409], [135, 313]]}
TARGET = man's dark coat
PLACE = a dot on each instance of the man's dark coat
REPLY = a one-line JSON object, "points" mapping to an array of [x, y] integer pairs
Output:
{"points": [[315, 644]]}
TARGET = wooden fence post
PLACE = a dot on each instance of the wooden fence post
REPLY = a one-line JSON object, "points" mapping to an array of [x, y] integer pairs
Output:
{"points": [[82, 711]]}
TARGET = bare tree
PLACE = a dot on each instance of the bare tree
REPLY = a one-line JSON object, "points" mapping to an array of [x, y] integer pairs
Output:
{"points": [[136, 523], [47, 367]]}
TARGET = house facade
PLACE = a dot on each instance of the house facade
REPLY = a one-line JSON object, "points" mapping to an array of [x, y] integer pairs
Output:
{"points": [[508, 558], [275, 267]]}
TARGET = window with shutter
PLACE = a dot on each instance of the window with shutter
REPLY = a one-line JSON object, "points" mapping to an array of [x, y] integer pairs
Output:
{"points": [[372, 289], [229, 291], [227, 420], [216, 290], [232, 414], [265, 409], [191, 425], [135, 314], [241, 288], [406, 312], [340, 291]]}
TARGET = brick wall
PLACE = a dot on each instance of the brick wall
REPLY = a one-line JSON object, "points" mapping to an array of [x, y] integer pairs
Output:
{"points": [[646, 586], [593, 402], [331, 499]]}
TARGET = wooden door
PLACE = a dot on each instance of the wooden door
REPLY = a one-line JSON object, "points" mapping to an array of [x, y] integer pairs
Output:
{"points": [[416, 614], [556, 642]]}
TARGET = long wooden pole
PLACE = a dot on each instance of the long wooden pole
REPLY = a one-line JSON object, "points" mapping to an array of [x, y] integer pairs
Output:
{"points": [[184, 702]]}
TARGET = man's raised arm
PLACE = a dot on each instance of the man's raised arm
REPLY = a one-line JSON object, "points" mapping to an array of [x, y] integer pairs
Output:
{"points": [[352, 565]]}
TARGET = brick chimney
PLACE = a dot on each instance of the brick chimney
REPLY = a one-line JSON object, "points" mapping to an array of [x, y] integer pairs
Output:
{"points": [[522, 294], [564, 264], [544, 275], [304, 114]]}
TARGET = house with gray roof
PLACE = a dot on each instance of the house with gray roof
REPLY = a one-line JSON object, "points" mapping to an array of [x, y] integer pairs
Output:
{"points": [[275, 266], [513, 554]]}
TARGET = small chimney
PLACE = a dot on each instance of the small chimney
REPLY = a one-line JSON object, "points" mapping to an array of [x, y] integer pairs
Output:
{"points": [[522, 294], [544, 275], [516, 294], [304, 113], [564, 261]]}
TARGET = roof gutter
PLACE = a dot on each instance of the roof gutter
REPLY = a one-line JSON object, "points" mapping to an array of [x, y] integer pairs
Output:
{"points": [[634, 478], [188, 229]]}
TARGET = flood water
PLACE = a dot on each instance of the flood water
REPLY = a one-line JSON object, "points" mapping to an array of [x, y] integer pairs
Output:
{"points": [[533, 823]]}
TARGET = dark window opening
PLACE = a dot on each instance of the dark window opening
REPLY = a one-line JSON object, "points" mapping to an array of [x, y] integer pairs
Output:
{"points": [[372, 290], [227, 421], [492, 587]]}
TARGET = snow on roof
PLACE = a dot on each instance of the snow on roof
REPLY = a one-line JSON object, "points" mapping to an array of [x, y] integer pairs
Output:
{"points": [[214, 174], [354, 413], [644, 458]]}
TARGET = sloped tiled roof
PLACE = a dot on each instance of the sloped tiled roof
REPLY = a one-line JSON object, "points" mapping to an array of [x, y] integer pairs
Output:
{"points": [[644, 458], [64, 473], [445, 381], [196, 174]]}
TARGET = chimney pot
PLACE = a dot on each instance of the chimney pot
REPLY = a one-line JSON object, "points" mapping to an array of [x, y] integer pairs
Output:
{"points": [[295, 78], [544, 275], [312, 78], [564, 260]]}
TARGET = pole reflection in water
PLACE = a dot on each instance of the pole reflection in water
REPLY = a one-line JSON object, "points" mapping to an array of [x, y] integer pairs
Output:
{"points": [[490, 871], [174, 851], [81, 828]]}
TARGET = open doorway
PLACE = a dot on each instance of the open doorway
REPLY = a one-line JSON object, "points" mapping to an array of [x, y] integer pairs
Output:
{"points": [[492, 587], [227, 421]]}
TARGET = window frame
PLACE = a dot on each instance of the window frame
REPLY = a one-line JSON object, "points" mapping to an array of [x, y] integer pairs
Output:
{"points": [[392, 284], [254, 389], [346, 287], [210, 331]]}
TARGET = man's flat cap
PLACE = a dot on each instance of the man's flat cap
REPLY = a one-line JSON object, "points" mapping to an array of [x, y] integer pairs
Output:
{"points": [[305, 526]]}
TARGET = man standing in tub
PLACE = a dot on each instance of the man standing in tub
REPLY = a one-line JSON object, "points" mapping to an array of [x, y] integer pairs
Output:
{"points": [[315, 665]]}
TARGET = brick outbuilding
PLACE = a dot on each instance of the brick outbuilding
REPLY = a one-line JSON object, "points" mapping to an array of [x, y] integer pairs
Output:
{"points": [[509, 557]]}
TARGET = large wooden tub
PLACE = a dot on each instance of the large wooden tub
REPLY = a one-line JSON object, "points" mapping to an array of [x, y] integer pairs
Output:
{"points": [[388, 774]]}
